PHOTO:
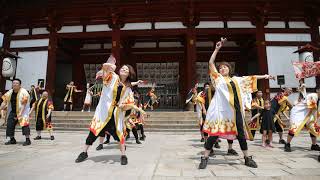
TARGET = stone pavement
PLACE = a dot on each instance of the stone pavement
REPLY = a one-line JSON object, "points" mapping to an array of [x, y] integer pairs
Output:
{"points": [[163, 156]]}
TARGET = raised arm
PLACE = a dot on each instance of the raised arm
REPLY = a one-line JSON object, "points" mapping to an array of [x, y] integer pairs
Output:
{"points": [[215, 52]]}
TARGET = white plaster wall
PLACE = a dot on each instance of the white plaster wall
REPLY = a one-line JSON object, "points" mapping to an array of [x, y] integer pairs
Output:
{"points": [[136, 26], [69, 29], [280, 63], [1, 39], [18, 32], [170, 44], [210, 24], [240, 24], [29, 43], [297, 24], [204, 44], [40, 31], [8, 85], [145, 45], [169, 25], [107, 46], [100, 27], [275, 24], [290, 37], [31, 67]]}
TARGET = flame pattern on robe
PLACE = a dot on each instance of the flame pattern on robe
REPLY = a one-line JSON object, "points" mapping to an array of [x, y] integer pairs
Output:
{"points": [[221, 114]]}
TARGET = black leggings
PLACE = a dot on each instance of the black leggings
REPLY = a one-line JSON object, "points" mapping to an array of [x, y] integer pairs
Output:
{"points": [[278, 127], [140, 126], [134, 131], [241, 136], [110, 128], [311, 135]]}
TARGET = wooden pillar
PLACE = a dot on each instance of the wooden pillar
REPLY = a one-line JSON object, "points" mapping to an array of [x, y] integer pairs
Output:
{"points": [[51, 65], [6, 45], [315, 38], [190, 59], [116, 48], [262, 56]]}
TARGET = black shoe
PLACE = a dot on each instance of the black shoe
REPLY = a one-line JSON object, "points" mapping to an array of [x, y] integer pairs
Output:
{"points": [[217, 145], [319, 158], [315, 147], [137, 141], [99, 147], [107, 142], [232, 152], [287, 147], [82, 156], [282, 141], [11, 141], [202, 140], [27, 142], [250, 162], [203, 163], [142, 138], [211, 153], [37, 138], [52, 138], [124, 160]]}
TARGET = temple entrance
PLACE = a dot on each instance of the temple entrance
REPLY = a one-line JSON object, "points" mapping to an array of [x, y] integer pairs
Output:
{"points": [[161, 61]]}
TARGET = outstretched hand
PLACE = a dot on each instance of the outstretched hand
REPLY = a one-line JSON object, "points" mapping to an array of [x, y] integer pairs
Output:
{"points": [[270, 77], [221, 42]]}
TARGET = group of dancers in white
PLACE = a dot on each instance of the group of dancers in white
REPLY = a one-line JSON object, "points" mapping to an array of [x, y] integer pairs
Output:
{"points": [[222, 108]]}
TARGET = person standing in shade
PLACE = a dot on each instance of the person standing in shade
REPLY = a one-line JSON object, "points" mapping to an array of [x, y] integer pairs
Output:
{"points": [[68, 99]]}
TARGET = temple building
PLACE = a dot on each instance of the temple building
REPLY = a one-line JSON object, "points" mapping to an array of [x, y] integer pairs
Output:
{"points": [[168, 42]]}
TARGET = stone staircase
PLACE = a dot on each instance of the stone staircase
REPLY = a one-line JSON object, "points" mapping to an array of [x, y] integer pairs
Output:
{"points": [[156, 122], [176, 121]]}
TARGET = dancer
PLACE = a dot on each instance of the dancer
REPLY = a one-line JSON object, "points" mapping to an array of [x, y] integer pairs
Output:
{"points": [[225, 116], [267, 124], [305, 115], [280, 104], [68, 99], [43, 108], [192, 96], [34, 94], [201, 111], [17, 102], [256, 108], [152, 99], [116, 99], [88, 98]]}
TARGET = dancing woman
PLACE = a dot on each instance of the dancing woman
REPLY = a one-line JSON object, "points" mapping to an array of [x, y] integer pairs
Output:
{"points": [[225, 116], [116, 99]]}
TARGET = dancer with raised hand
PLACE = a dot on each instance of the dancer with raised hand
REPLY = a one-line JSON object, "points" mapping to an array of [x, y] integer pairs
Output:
{"points": [[116, 99], [225, 116]]}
